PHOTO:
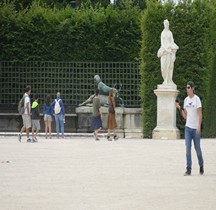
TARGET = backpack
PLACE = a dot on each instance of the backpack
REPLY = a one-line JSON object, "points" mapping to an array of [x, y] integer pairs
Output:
{"points": [[21, 108], [57, 107]]}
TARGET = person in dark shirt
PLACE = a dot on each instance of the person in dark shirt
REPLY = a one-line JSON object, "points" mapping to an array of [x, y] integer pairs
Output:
{"points": [[35, 119], [96, 122]]}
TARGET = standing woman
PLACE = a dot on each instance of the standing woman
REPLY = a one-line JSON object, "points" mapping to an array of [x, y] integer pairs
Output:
{"points": [[48, 112], [96, 122], [111, 121]]}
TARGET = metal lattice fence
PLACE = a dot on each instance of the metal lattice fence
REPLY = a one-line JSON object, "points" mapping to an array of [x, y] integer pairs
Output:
{"points": [[75, 80]]}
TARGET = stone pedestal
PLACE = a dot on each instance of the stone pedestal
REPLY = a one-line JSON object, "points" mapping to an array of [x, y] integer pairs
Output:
{"points": [[166, 113]]}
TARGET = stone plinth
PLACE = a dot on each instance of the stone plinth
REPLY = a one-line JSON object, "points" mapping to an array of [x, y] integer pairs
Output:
{"points": [[166, 113]]}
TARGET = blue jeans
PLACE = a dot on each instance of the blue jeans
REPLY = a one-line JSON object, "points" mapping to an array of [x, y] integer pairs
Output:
{"points": [[189, 135], [59, 121]]}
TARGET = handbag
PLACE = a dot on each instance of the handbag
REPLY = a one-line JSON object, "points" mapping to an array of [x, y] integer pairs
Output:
{"points": [[111, 109]]}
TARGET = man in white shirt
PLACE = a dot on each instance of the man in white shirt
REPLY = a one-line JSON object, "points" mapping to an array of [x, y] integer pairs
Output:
{"points": [[192, 112], [26, 116]]}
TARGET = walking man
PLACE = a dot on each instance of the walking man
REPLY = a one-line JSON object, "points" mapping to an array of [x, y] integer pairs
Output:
{"points": [[96, 123], [192, 112], [26, 115]]}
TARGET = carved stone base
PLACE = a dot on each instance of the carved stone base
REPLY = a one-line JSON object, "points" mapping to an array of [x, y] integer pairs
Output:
{"points": [[166, 113], [163, 134]]}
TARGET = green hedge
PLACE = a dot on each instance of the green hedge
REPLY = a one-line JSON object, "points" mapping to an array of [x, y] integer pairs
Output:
{"points": [[67, 34], [190, 24], [150, 75], [210, 113]]}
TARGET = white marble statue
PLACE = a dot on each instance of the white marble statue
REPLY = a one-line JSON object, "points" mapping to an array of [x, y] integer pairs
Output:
{"points": [[167, 54]]}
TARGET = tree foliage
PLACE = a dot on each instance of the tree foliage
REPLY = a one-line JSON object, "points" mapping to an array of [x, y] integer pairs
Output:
{"points": [[210, 111], [67, 34], [121, 4], [103, 3]]}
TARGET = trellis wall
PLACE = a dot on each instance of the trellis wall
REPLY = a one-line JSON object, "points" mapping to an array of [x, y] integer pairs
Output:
{"points": [[75, 80]]}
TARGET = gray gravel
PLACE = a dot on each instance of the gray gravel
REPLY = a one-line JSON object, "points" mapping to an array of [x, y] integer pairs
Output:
{"points": [[79, 173]]}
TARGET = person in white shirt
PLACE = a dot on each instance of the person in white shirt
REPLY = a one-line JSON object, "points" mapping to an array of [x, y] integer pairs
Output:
{"points": [[192, 112], [26, 116]]}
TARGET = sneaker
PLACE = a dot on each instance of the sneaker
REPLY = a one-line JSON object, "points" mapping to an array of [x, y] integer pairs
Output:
{"points": [[187, 173], [115, 137], [19, 137], [29, 140], [94, 135], [108, 138], [97, 139], [201, 170], [34, 140]]}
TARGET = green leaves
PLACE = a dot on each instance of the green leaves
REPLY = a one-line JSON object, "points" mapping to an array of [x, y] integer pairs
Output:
{"points": [[85, 34]]}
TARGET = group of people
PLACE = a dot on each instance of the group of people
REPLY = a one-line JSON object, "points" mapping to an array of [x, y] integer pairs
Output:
{"points": [[31, 116], [55, 110], [96, 122], [191, 112]]}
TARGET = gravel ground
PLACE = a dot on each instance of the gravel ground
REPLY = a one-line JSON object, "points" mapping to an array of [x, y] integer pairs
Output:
{"points": [[79, 173]]}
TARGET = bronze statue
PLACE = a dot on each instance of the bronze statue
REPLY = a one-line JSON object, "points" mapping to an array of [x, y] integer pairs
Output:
{"points": [[104, 92]]}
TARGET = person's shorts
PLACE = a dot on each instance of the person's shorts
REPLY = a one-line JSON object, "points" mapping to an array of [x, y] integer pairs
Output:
{"points": [[48, 117], [26, 120], [35, 125]]}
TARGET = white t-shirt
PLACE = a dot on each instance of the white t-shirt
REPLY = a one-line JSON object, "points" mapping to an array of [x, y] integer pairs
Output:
{"points": [[191, 105], [27, 99]]}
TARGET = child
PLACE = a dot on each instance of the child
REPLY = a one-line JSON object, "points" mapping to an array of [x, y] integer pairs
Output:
{"points": [[48, 116], [35, 119]]}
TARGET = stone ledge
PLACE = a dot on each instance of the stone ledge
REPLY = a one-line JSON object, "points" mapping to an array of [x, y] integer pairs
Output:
{"points": [[128, 120]]}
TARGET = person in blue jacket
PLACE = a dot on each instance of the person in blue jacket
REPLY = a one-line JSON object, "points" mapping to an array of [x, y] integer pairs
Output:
{"points": [[59, 113], [48, 116]]}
